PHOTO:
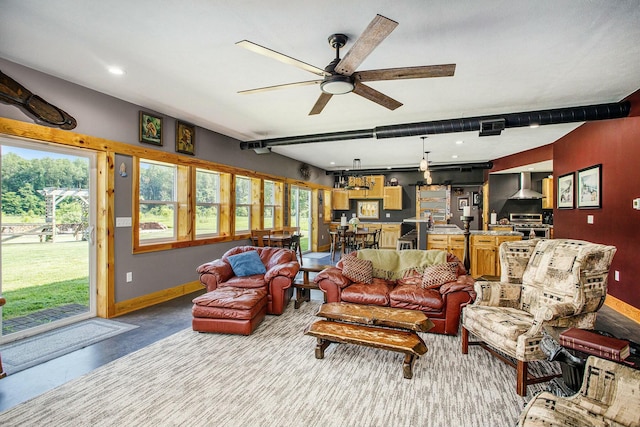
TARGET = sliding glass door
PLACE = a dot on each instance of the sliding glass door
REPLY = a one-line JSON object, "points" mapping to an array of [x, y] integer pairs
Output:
{"points": [[300, 214], [47, 251]]}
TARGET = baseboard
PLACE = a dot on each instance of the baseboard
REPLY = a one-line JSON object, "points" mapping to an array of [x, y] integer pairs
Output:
{"points": [[148, 300], [324, 248], [623, 308]]}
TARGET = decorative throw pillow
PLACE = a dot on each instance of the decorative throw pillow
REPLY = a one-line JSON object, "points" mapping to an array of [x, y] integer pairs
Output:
{"points": [[358, 270], [439, 274], [247, 264]]}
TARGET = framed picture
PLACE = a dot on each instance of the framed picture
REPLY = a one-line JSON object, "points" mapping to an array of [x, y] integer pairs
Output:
{"points": [[185, 137], [150, 128], [368, 209], [590, 187], [463, 202], [475, 198], [566, 191]]}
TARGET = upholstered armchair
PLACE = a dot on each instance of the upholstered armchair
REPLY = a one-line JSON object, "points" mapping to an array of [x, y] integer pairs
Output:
{"points": [[609, 396], [281, 267], [546, 285]]}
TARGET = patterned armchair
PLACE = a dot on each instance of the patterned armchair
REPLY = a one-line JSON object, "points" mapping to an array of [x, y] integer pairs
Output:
{"points": [[546, 285], [609, 396]]}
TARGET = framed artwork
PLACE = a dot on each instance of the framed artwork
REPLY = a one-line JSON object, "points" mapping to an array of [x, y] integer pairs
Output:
{"points": [[150, 128], [566, 191], [368, 209], [463, 202], [590, 187], [475, 198], [185, 138]]}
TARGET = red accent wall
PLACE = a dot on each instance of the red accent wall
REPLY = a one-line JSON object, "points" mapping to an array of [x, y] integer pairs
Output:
{"points": [[616, 145], [535, 155]]}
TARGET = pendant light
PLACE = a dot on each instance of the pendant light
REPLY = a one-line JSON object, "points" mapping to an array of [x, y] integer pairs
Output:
{"points": [[424, 164], [427, 172], [358, 181]]}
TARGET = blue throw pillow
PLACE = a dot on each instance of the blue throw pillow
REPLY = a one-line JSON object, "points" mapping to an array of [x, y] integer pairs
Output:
{"points": [[247, 264]]}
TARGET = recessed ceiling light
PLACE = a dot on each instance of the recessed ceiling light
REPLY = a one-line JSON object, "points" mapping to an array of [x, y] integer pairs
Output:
{"points": [[332, 163], [388, 167], [531, 169], [459, 142], [116, 70], [455, 156], [534, 125]]}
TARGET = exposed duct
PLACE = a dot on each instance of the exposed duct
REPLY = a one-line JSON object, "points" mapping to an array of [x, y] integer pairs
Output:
{"points": [[525, 191], [511, 120], [461, 167]]}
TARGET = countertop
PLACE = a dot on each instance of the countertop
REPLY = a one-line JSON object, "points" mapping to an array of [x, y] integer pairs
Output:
{"points": [[446, 230]]}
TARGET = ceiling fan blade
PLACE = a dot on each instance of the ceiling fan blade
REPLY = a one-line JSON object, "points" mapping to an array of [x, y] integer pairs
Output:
{"points": [[320, 103], [444, 70], [276, 87], [375, 96], [377, 30], [281, 57]]}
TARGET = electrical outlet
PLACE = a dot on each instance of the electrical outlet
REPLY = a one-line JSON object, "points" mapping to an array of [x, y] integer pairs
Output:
{"points": [[129, 276], [616, 275], [388, 215]]}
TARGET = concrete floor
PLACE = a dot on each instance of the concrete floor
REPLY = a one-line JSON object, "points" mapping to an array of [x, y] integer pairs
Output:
{"points": [[162, 320]]}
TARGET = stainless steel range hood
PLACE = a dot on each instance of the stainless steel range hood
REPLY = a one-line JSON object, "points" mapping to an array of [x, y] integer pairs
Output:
{"points": [[525, 191]]}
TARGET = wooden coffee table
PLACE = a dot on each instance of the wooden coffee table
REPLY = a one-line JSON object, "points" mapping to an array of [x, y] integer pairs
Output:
{"points": [[386, 328]]}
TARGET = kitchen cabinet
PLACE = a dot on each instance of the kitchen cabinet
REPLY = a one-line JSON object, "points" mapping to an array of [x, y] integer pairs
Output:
{"points": [[375, 191], [389, 236], [547, 192], [453, 243], [392, 198], [327, 206], [340, 200], [485, 257]]}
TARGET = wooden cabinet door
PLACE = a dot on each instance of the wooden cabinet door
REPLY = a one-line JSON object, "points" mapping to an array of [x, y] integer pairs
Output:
{"points": [[392, 198], [456, 246], [340, 200], [547, 192], [389, 236], [437, 241], [375, 191], [483, 256]]}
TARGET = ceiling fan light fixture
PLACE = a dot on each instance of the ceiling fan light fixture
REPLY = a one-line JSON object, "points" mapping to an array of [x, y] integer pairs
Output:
{"points": [[337, 85]]}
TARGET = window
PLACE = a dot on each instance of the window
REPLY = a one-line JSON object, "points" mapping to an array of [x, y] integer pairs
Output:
{"points": [[158, 202], [269, 204], [243, 204], [207, 216]]}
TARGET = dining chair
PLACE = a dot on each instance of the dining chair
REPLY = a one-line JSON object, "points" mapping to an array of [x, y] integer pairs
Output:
{"points": [[261, 238], [295, 246], [373, 239]]}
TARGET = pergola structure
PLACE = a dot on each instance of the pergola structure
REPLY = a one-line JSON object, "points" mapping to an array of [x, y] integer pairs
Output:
{"points": [[53, 196]]}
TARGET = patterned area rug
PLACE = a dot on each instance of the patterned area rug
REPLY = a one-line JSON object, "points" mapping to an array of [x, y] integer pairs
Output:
{"points": [[272, 378], [28, 352]]}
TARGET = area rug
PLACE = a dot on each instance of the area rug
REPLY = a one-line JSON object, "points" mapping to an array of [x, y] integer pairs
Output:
{"points": [[272, 378], [28, 352]]}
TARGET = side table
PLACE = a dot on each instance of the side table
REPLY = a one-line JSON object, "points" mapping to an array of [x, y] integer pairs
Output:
{"points": [[303, 288]]}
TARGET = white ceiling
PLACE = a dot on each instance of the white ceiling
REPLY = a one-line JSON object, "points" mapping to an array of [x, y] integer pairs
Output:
{"points": [[180, 59]]}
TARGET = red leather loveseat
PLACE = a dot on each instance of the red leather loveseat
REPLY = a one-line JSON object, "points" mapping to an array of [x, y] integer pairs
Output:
{"points": [[281, 268], [398, 280]]}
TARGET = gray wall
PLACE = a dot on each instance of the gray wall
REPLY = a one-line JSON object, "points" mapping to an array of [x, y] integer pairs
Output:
{"points": [[106, 117]]}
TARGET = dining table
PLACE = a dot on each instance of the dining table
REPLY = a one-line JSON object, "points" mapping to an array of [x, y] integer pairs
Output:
{"points": [[342, 237]]}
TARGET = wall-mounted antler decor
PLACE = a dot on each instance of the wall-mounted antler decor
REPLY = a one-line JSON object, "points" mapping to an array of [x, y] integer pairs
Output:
{"points": [[12, 92]]}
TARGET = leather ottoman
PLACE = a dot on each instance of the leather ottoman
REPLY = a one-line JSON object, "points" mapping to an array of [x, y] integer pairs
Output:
{"points": [[229, 310]]}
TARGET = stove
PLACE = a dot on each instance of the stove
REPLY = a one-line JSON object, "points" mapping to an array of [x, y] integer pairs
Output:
{"points": [[530, 225]]}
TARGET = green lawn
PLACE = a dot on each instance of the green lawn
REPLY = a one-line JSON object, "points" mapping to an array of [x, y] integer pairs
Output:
{"points": [[43, 275]]}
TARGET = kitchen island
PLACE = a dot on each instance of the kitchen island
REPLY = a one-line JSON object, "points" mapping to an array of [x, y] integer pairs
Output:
{"points": [[483, 244]]}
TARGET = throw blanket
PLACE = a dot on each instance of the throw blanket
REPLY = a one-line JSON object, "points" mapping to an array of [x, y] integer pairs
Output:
{"points": [[390, 264]]}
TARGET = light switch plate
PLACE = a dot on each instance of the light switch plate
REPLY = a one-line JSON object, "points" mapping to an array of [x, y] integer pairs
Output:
{"points": [[589, 219], [388, 215], [123, 221]]}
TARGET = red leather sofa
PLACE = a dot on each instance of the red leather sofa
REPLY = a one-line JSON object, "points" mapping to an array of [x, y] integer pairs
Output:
{"points": [[281, 265], [442, 304]]}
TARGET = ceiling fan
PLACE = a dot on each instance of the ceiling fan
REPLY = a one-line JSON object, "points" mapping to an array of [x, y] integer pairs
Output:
{"points": [[340, 76]]}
